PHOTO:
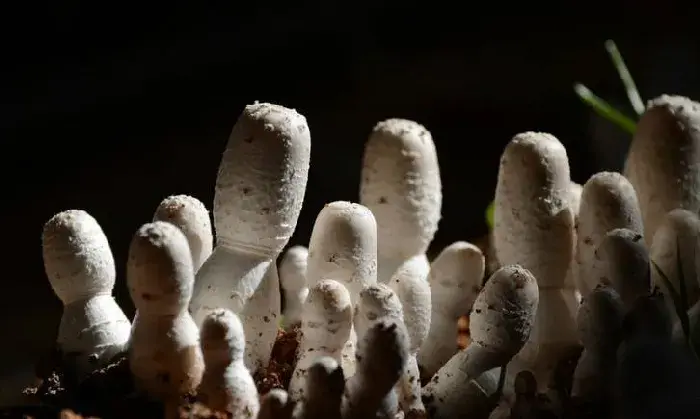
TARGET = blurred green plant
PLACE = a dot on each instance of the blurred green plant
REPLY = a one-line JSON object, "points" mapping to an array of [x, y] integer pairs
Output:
{"points": [[602, 107]]}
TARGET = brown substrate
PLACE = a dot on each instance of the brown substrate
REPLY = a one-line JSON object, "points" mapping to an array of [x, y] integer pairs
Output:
{"points": [[109, 392]]}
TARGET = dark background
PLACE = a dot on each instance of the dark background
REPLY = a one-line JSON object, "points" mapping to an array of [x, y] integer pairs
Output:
{"points": [[110, 109]]}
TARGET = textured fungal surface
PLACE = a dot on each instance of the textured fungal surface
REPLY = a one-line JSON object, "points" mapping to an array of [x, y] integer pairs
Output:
{"points": [[401, 185], [262, 179], [663, 162]]}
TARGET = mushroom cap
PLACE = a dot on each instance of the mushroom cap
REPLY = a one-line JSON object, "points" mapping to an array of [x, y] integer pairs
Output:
{"points": [[533, 219], [608, 201], [222, 336], [504, 311], [343, 247], [662, 159], [191, 216], [262, 179], [159, 271], [413, 289], [377, 301], [77, 258], [621, 260], [401, 185], [599, 319], [456, 276], [382, 353], [328, 309], [679, 230], [292, 270], [325, 376]]}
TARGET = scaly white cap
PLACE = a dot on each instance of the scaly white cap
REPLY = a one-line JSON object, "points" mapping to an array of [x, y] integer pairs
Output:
{"points": [[262, 179], [343, 247], [159, 271], [608, 201], [534, 224], [77, 258], [662, 162], [222, 338], [191, 216], [401, 185]]}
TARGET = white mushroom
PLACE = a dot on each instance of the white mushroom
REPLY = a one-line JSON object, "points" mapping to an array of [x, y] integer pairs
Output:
{"points": [[381, 359], [227, 385], [326, 324], [500, 324], [401, 185], [191, 216], [292, 273], [455, 281], [164, 354], [80, 267], [621, 260], [534, 228], [600, 328], [325, 384], [608, 202], [662, 163], [343, 247], [410, 285], [679, 231], [259, 192]]}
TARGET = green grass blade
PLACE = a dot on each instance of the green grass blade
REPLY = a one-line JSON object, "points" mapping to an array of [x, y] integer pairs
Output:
{"points": [[627, 80], [604, 109]]}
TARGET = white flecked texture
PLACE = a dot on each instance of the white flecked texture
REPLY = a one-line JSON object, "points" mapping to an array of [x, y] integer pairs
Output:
{"points": [[292, 273], [608, 202], [164, 354], [500, 324], [663, 162], [455, 281], [534, 228], [326, 324], [227, 385], [259, 192], [191, 216], [80, 267], [401, 185], [622, 261]]}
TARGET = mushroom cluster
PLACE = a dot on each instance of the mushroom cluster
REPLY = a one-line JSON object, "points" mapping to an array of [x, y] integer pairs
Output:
{"points": [[561, 326]]}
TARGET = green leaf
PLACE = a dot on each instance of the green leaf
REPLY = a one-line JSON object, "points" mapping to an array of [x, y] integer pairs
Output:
{"points": [[490, 214], [627, 80], [604, 109]]}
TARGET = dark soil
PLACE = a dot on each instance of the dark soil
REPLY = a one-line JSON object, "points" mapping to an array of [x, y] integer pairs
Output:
{"points": [[110, 393]]}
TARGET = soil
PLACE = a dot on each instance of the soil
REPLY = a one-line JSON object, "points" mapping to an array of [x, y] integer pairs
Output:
{"points": [[110, 393]]}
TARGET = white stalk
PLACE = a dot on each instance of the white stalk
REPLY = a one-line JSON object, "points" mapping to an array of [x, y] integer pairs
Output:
{"points": [[662, 159], [608, 202], [292, 273], [500, 324], [191, 216], [164, 354], [455, 281], [401, 185], [259, 192], [325, 328], [534, 227], [80, 267], [227, 385], [343, 247]]}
